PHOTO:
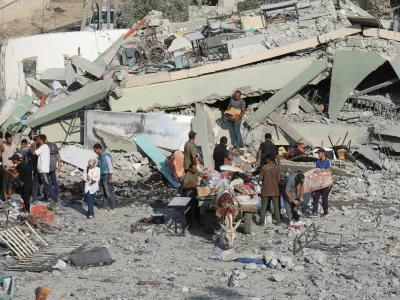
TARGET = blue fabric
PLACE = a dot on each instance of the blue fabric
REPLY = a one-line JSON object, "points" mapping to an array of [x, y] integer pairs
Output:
{"points": [[102, 164], [326, 164], [90, 202], [248, 260], [107, 191], [26, 153]]}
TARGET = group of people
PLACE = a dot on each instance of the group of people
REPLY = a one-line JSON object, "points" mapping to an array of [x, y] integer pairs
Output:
{"points": [[273, 185], [38, 164], [35, 166]]}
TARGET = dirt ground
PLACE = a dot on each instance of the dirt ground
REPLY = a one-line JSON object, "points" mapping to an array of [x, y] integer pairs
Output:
{"points": [[187, 269], [53, 22]]}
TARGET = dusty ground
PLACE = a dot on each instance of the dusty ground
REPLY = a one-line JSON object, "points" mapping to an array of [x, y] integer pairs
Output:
{"points": [[186, 269], [53, 22]]}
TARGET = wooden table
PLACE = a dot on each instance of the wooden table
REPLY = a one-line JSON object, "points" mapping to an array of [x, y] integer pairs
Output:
{"points": [[182, 204]]}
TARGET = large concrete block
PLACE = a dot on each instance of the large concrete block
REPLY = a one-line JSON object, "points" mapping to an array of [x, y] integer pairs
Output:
{"points": [[349, 70]]}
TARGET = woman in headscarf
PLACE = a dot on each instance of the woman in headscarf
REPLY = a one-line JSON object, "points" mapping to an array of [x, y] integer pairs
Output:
{"points": [[91, 178]]}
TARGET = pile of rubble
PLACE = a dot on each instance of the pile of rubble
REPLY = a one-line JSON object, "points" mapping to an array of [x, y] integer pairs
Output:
{"points": [[311, 72]]}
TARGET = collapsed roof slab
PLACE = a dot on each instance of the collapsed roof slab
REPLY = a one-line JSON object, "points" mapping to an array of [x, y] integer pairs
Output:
{"points": [[54, 74], [288, 129], [267, 77], [350, 68], [36, 84], [287, 92], [20, 108], [87, 65], [87, 95], [258, 57]]}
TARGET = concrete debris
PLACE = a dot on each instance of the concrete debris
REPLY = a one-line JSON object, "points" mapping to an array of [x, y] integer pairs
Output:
{"points": [[36, 84], [114, 138], [86, 65], [287, 92], [76, 156]]}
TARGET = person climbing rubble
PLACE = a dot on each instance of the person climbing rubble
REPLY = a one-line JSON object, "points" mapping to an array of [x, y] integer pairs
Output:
{"points": [[322, 163], [7, 150], [293, 192], [237, 103], [268, 147], [43, 166], [91, 177], [106, 172], [41, 293], [270, 175], [189, 152]]}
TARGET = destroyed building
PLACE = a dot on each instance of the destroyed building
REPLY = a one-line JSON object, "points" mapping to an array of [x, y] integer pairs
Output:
{"points": [[312, 73], [158, 78]]}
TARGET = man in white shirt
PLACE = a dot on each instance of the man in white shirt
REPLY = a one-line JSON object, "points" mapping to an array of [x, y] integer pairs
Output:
{"points": [[43, 166], [7, 150]]}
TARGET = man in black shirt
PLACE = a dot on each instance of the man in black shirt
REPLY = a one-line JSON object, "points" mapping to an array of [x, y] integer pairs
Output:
{"points": [[268, 147], [25, 177], [221, 154]]}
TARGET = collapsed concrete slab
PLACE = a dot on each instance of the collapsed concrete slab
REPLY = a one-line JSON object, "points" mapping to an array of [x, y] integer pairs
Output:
{"points": [[349, 69], [305, 105], [287, 92], [293, 134], [76, 156], [261, 56], [156, 156], [54, 74], [163, 130], [87, 65], [212, 87], [36, 84], [114, 138], [200, 126], [370, 155], [20, 108], [87, 95]]}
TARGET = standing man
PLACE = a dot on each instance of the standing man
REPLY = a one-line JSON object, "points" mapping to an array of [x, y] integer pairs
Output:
{"points": [[268, 147], [221, 154], [293, 195], [55, 164], [189, 152], [190, 183], [270, 175], [106, 171], [7, 150], [25, 177], [238, 103], [43, 166], [322, 163]]}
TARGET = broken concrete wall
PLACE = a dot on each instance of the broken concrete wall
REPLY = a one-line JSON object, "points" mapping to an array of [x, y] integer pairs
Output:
{"points": [[262, 78], [49, 50], [163, 130]]}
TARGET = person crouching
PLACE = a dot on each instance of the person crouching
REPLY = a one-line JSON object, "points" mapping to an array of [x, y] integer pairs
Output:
{"points": [[91, 178]]}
